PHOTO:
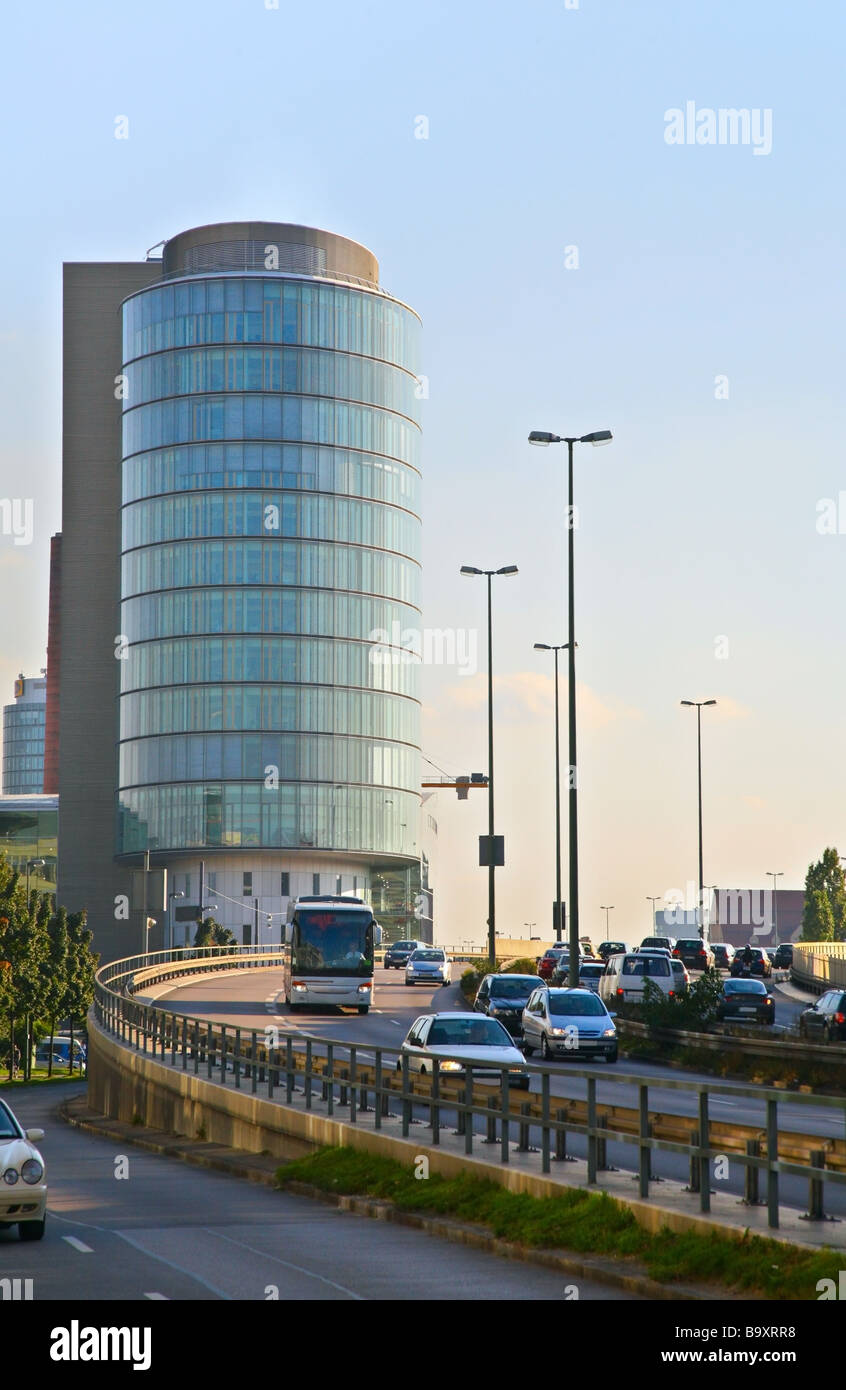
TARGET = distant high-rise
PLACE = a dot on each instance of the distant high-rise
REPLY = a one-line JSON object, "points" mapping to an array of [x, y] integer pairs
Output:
{"points": [[23, 737], [241, 524]]}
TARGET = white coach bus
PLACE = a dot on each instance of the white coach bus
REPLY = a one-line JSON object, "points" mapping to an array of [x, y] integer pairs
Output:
{"points": [[329, 952]]}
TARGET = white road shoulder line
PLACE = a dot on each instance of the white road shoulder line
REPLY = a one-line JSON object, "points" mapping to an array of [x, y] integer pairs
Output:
{"points": [[157, 1297]]}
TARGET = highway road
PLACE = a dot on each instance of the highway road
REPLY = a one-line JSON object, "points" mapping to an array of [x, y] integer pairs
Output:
{"points": [[253, 999], [171, 1231]]}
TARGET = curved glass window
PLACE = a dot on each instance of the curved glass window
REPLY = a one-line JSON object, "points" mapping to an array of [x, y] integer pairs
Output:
{"points": [[297, 371], [303, 611], [316, 563], [310, 709], [317, 661], [250, 309], [304, 467], [284, 756], [310, 420], [190, 815], [271, 514]]}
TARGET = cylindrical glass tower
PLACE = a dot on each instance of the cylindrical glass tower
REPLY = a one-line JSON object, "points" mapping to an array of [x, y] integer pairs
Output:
{"points": [[271, 536]]}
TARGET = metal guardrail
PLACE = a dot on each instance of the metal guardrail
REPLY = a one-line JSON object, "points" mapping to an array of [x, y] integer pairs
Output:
{"points": [[777, 1049], [259, 1058], [819, 965]]}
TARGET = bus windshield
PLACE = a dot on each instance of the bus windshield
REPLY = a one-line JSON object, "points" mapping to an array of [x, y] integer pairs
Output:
{"points": [[326, 942]]}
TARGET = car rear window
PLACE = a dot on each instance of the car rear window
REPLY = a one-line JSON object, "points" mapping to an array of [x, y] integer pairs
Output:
{"points": [[646, 965], [744, 987], [575, 1005]]}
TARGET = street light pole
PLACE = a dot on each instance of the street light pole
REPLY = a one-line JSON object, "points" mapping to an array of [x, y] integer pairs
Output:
{"points": [[653, 901], [698, 704], [606, 910], [775, 878], [471, 570], [543, 437], [547, 647]]}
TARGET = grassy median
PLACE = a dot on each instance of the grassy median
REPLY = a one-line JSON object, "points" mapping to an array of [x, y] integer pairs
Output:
{"points": [[583, 1222]]}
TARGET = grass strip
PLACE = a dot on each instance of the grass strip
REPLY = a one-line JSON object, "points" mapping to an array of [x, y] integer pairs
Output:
{"points": [[575, 1220]]}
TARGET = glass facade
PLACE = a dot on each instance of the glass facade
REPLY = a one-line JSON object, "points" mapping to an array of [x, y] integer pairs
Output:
{"points": [[29, 828], [23, 739], [271, 527]]}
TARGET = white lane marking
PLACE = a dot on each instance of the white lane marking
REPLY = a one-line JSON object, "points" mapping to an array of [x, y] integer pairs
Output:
{"points": [[157, 1297], [395, 1022], [78, 1245], [298, 1268], [104, 1231]]}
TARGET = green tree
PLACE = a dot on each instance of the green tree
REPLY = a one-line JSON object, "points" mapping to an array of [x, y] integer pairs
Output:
{"points": [[56, 966], [82, 965], [825, 877], [210, 934], [817, 916]]}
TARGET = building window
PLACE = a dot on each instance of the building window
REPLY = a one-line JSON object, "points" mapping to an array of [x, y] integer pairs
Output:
{"points": [[247, 890], [213, 883], [315, 883], [338, 888], [286, 885]]}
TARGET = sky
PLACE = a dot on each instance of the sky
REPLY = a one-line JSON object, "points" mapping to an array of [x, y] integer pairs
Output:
{"points": [[574, 270]]}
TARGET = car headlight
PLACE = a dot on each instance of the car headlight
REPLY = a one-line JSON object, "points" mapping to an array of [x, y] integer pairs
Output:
{"points": [[10, 1176], [32, 1171], [609, 1032], [450, 1066], [558, 1032], [363, 989]]}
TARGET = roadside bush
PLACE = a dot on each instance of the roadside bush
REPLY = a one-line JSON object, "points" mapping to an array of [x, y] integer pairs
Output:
{"points": [[692, 1011]]}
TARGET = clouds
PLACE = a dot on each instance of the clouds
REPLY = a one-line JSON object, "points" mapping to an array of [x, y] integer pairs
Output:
{"points": [[522, 694]]}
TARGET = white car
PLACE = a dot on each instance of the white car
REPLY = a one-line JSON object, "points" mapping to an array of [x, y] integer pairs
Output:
{"points": [[466, 1042], [23, 1187], [428, 965]]}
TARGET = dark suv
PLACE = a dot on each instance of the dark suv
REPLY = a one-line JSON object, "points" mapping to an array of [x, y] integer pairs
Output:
{"points": [[783, 956], [396, 956], [504, 997], [759, 965], [695, 953], [825, 1021]]}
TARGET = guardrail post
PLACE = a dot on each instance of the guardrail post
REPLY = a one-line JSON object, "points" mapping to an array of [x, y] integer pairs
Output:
{"points": [[173, 1039], [491, 1135], [705, 1154], [406, 1096], [591, 1118], [503, 1148], [196, 1047], [352, 1086], [223, 1054], [435, 1107], [289, 1071], [308, 1074], [602, 1145], [253, 1060], [772, 1157], [210, 1048], [468, 1117], [523, 1143], [185, 1044], [751, 1174], [560, 1138], [329, 1083], [693, 1182], [236, 1059], [545, 1164], [379, 1099], [815, 1210], [644, 1167]]}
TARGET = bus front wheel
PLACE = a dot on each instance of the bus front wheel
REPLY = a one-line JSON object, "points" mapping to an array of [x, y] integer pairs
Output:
{"points": [[363, 1008]]}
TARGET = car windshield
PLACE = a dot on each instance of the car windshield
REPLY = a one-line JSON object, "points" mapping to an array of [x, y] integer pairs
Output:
{"points": [[744, 987], [514, 986], [327, 941], [575, 1005], [428, 955], [655, 941], [467, 1032], [592, 972], [8, 1125], [646, 965], [403, 946], [689, 945]]}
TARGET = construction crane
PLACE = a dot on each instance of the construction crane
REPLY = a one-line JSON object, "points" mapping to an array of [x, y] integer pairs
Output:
{"points": [[461, 784]]}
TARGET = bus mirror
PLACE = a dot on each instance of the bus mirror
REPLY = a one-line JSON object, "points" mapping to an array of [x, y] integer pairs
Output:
{"points": [[377, 934], [289, 933]]}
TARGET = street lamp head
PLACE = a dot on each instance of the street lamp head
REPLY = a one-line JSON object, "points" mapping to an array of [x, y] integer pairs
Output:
{"points": [[542, 647], [687, 702], [508, 569], [709, 702], [543, 438], [470, 569], [598, 437]]}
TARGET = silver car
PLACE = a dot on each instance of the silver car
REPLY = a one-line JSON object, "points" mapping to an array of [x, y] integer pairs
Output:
{"points": [[23, 1191], [568, 1023], [428, 966], [466, 1042], [590, 974]]}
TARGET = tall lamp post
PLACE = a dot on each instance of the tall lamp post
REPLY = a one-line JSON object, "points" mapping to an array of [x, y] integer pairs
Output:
{"points": [[548, 647], [775, 878], [543, 438], [606, 910], [471, 571], [177, 893], [698, 706], [653, 901]]}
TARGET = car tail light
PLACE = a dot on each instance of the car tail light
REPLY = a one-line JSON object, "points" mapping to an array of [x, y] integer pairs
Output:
{"points": [[840, 1018], [671, 994], [677, 952], [619, 991]]}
